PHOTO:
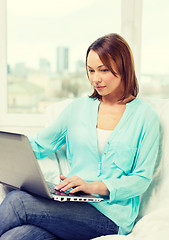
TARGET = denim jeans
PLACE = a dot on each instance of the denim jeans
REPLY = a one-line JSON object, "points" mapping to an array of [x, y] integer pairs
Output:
{"points": [[27, 217]]}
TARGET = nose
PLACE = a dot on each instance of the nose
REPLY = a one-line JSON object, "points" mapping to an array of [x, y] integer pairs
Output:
{"points": [[97, 78]]}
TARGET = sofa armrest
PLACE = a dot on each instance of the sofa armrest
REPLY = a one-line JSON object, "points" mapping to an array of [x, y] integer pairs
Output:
{"points": [[4, 190], [57, 163], [63, 163], [54, 165]]}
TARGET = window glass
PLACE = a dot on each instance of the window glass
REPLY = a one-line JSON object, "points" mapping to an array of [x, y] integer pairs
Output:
{"points": [[46, 46], [154, 80]]}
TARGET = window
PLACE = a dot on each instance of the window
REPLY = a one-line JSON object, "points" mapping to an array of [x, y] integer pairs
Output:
{"points": [[43, 46], [46, 45], [155, 49]]}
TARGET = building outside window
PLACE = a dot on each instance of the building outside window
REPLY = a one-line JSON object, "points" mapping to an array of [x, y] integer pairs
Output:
{"points": [[62, 59], [43, 46], [46, 49]]}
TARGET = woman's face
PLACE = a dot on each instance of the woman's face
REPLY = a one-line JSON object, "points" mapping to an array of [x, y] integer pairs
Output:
{"points": [[102, 79]]}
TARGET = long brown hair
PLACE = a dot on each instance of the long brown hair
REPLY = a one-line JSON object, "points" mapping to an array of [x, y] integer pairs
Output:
{"points": [[114, 47]]}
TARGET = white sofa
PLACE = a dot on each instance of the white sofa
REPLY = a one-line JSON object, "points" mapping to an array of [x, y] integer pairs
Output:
{"points": [[153, 220]]}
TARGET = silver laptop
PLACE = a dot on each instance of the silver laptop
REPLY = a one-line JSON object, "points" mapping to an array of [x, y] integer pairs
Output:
{"points": [[19, 168]]}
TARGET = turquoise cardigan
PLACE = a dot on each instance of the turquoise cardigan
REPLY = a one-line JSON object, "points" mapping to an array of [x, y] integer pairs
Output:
{"points": [[127, 163]]}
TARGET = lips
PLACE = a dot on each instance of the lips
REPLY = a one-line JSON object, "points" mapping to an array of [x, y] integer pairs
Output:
{"points": [[99, 87]]}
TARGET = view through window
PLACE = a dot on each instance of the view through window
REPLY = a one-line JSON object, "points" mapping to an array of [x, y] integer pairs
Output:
{"points": [[154, 80], [46, 46]]}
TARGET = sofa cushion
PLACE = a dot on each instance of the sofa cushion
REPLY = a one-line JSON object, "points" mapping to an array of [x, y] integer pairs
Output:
{"points": [[157, 194], [58, 160]]}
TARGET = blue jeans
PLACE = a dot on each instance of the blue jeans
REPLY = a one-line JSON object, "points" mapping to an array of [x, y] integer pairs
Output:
{"points": [[27, 217]]}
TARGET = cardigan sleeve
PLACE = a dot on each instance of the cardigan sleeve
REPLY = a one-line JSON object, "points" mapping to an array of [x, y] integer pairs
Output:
{"points": [[137, 181], [50, 139]]}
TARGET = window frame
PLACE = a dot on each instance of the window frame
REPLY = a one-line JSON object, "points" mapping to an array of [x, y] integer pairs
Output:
{"points": [[131, 12]]}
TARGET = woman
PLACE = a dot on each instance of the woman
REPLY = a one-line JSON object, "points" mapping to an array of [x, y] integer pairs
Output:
{"points": [[112, 142]]}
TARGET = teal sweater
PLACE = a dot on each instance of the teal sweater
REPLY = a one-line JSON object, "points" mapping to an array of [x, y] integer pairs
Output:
{"points": [[127, 163]]}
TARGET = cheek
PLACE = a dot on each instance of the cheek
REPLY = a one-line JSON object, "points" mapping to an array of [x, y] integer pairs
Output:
{"points": [[113, 81], [90, 79], [109, 79]]}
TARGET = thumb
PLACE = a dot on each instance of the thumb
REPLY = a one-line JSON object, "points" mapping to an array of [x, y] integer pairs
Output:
{"points": [[62, 177]]}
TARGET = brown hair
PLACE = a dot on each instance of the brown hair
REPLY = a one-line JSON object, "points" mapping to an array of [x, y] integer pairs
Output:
{"points": [[114, 47]]}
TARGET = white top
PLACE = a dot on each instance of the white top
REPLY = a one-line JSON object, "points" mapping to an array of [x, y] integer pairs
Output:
{"points": [[102, 136]]}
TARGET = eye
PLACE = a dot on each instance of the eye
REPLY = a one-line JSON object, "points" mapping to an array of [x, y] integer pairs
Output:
{"points": [[105, 70], [90, 70]]}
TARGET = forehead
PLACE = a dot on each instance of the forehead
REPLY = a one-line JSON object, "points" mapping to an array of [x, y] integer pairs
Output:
{"points": [[94, 61]]}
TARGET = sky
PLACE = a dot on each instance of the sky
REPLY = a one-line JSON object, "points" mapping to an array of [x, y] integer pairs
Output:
{"points": [[36, 28]]}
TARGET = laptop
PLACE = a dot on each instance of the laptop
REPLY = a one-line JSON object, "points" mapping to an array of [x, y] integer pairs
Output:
{"points": [[19, 169]]}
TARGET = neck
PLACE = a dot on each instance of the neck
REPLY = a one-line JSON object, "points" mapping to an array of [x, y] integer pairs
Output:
{"points": [[113, 101]]}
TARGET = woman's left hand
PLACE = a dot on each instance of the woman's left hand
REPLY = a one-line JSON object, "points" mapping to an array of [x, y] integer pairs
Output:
{"points": [[79, 184]]}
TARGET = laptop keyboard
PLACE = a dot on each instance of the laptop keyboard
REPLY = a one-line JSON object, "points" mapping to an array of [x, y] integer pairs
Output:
{"points": [[51, 187], [82, 195]]}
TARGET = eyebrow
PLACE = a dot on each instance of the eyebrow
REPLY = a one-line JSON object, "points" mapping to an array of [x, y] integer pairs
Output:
{"points": [[98, 66]]}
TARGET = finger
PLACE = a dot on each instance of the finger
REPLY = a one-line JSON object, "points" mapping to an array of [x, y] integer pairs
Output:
{"points": [[76, 189], [68, 186], [63, 184], [66, 181], [59, 186]]}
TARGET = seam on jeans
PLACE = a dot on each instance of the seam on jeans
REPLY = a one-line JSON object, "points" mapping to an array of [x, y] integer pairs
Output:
{"points": [[24, 212], [15, 212]]}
